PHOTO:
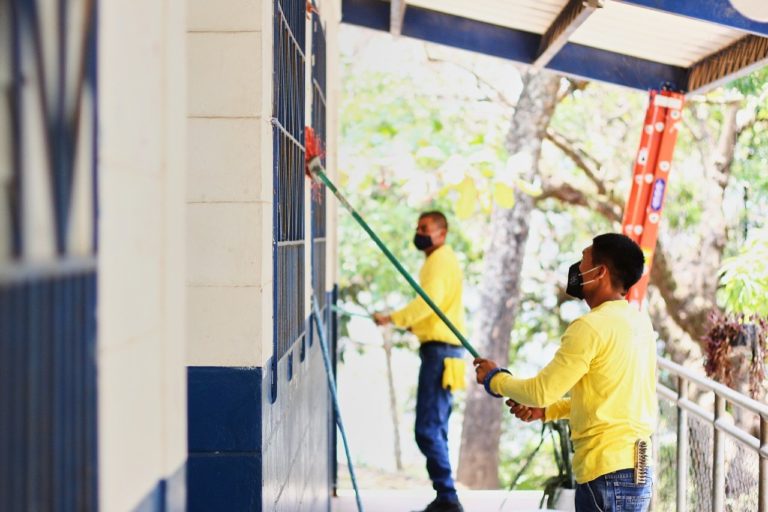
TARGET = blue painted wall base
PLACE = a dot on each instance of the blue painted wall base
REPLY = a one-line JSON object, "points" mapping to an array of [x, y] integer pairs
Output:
{"points": [[169, 495], [224, 410], [250, 453]]}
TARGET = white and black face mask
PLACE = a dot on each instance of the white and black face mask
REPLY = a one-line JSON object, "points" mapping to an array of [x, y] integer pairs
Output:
{"points": [[575, 287]]}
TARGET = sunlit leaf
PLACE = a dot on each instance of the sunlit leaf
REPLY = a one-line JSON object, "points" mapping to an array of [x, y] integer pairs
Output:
{"points": [[528, 188], [503, 195], [467, 202]]}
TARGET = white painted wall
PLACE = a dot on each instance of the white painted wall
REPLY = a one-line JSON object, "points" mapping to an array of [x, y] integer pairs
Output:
{"points": [[142, 379], [330, 10], [229, 193]]}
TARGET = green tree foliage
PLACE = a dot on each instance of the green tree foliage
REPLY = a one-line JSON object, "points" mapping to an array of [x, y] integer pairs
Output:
{"points": [[430, 134], [744, 275], [744, 279]]}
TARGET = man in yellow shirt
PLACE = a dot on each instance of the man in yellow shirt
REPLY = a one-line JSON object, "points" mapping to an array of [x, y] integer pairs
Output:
{"points": [[607, 361], [441, 277]]}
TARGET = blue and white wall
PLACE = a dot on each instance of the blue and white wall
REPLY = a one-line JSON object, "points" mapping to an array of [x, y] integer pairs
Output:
{"points": [[139, 255], [258, 439]]}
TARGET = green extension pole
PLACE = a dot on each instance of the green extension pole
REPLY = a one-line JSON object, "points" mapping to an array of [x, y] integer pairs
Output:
{"points": [[317, 173], [350, 314]]}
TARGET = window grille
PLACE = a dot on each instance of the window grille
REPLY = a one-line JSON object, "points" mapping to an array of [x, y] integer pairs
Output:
{"points": [[48, 438], [288, 146]]}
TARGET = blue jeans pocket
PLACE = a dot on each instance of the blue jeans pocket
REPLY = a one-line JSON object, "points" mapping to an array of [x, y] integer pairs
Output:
{"points": [[632, 497], [590, 496]]}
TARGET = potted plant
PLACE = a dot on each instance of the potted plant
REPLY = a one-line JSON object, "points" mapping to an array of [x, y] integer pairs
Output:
{"points": [[560, 489], [735, 349], [736, 340]]}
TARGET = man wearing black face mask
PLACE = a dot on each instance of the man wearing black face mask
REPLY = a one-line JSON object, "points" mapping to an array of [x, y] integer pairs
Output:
{"points": [[441, 369], [607, 361]]}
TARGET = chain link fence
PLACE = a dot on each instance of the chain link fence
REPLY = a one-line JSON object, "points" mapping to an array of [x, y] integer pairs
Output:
{"points": [[741, 484], [665, 459], [701, 444]]}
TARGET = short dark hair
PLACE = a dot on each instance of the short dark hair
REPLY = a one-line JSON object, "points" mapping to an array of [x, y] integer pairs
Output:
{"points": [[437, 217], [622, 256]]}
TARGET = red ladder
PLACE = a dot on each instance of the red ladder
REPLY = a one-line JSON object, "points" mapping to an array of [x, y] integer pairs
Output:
{"points": [[650, 179]]}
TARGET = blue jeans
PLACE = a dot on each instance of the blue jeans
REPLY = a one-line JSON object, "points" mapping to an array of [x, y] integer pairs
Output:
{"points": [[615, 492], [433, 408]]}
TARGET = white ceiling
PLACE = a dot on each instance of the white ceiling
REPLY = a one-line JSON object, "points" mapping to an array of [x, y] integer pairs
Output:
{"points": [[617, 27]]}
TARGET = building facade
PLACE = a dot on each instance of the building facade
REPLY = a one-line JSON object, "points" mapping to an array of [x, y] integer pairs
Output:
{"points": [[159, 250]]}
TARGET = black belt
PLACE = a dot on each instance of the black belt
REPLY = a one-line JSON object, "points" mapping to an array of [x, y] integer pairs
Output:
{"points": [[439, 343]]}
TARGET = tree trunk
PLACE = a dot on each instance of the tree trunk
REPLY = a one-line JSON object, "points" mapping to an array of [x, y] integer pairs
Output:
{"points": [[387, 335], [500, 289], [679, 345]]}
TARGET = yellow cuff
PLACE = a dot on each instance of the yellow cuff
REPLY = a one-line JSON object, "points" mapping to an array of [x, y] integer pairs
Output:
{"points": [[454, 369], [396, 319]]}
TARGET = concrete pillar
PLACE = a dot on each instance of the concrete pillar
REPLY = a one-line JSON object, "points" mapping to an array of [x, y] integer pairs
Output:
{"points": [[142, 382], [229, 247], [247, 449]]}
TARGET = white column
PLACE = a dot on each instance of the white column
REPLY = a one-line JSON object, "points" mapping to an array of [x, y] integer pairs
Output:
{"points": [[229, 195], [142, 387], [331, 11]]}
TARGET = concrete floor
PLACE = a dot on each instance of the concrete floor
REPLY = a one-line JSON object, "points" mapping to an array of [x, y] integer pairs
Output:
{"points": [[406, 501]]}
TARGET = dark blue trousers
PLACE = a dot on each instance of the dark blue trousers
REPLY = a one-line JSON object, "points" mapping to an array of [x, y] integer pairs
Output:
{"points": [[615, 492], [433, 409]]}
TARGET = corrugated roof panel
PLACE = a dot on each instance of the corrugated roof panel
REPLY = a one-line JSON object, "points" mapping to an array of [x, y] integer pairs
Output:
{"points": [[529, 15], [652, 35]]}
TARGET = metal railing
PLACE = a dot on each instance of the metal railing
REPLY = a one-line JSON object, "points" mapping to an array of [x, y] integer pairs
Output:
{"points": [[723, 429]]}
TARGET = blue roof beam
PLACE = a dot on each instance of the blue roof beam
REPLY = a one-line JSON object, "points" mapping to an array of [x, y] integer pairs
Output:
{"points": [[588, 63], [446, 29], [570, 18], [719, 12], [573, 59], [740, 58]]}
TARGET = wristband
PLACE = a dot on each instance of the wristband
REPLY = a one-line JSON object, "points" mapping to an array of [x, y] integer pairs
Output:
{"points": [[489, 376]]}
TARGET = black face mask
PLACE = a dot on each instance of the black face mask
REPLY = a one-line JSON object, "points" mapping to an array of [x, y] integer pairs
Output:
{"points": [[575, 287], [422, 242]]}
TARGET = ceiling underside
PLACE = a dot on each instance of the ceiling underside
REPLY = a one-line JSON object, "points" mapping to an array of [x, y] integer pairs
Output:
{"points": [[688, 45]]}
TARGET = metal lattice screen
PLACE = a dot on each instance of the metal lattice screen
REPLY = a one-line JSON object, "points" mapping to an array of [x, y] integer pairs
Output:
{"points": [[741, 480], [48, 415], [288, 141], [700, 439], [665, 454]]}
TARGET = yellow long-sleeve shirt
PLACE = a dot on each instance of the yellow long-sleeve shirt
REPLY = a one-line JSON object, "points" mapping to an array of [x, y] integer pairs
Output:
{"points": [[441, 277], [607, 360]]}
